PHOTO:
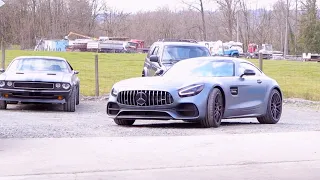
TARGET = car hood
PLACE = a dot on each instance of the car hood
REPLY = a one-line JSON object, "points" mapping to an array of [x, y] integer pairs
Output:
{"points": [[36, 76], [155, 83]]}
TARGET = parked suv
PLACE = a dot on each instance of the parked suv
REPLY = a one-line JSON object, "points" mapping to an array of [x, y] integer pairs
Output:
{"points": [[166, 52]]}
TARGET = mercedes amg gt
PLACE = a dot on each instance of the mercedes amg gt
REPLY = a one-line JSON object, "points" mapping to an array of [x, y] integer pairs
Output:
{"points": [[202, 89]]}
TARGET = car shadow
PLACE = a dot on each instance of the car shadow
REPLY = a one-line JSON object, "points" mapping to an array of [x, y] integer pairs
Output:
{"points": [[189, 125], [35, 107]]}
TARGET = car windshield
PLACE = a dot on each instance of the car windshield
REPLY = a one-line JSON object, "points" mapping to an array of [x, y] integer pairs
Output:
{"points": [[268, 47], [215, 68], [39, 64], [176, 53]]}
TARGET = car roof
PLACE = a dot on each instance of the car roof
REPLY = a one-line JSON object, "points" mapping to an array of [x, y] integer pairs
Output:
{"points": [[183, 44], [217, 58], [180, 44], [40, 57]]}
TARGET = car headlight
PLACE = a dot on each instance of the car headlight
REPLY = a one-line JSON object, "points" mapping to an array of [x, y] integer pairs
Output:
{"points": [[2, 83], [191, 90], [58, 85], [65, 86], [114, 92], [9, 83]]}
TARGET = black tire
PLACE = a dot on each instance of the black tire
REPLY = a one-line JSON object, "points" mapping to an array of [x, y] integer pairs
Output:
{"points": [[78, 95], [274, 109], [70, 105], [235, 55], [3, 105], [124, 122], [215, 110]]}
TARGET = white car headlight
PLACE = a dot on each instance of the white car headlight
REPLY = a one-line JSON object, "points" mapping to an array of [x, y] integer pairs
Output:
{"points": [[9, 83], [2, 83], [114, 92], [191, 90], [58, 85], [65, 86]]}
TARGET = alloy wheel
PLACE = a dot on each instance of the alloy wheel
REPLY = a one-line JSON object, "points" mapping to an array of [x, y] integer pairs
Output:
{"points": [[218, 108], [276, 106]]}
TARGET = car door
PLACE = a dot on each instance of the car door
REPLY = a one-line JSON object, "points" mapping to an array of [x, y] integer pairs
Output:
{"points": [[248, 92]]}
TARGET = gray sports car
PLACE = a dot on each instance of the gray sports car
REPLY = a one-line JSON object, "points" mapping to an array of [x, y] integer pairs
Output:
{"points": [[203, 89], [40, 79]]}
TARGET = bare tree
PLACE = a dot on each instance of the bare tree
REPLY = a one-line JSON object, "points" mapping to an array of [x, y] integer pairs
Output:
{"points": [[22, 22], [229, 9], [114, 22], [246, 31], [198, 5]]}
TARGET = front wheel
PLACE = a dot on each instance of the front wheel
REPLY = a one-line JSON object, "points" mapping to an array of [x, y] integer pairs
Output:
{"points": [[70, 105], [274, 109], [215, 110], [3, 105], [78, 95], [124, 122]]}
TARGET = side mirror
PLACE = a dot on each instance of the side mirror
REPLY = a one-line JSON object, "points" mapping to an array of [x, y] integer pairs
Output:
{"points": [[159, 72], [154, 58], [248, 72], [76, 72], [2, 70]]}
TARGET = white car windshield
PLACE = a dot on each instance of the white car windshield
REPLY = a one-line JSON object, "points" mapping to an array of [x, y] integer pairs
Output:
{"points": [[39, 64], [176, 53], [202, 69]]}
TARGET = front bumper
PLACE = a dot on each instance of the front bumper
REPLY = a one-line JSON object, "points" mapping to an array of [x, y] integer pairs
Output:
{"points": [[35, 96], [186, 108]]}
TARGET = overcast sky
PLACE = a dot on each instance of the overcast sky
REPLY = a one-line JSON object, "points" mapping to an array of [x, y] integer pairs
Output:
{"points": [[149, 5]]}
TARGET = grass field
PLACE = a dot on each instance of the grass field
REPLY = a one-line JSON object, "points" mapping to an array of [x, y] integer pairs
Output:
{"points": [[297, 79]]}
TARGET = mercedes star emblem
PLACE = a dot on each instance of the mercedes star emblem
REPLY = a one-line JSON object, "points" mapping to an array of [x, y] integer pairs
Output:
{"points": [[141, 98]]}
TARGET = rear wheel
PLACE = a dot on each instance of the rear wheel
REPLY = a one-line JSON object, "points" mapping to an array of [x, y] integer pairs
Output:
{"points": [[124, 122], [215, 110], [3, 105], [274, 109]]}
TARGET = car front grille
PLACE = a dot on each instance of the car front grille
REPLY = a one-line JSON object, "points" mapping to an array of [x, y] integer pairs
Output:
{"points": [[144, 98], [33, 85]]}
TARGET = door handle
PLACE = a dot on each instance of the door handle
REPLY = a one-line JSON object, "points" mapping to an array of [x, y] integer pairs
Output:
{"points": [[259, 81]]}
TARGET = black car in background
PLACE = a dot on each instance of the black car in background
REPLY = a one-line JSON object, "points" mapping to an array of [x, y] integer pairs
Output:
{"points": [[40, 79], [166, 52]]}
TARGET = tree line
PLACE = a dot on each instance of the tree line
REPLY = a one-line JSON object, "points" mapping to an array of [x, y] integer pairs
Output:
{"points": [[22, 22]]}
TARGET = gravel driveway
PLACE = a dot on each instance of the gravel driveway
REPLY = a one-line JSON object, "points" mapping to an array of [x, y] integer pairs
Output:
{"points": [[90, 120]]}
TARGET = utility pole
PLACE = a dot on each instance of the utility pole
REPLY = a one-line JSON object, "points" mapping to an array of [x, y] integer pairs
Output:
{"points": [[285, 53]]}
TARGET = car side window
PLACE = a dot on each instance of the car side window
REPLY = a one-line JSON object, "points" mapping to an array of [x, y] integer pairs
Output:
{"points": [[243, 66]]}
